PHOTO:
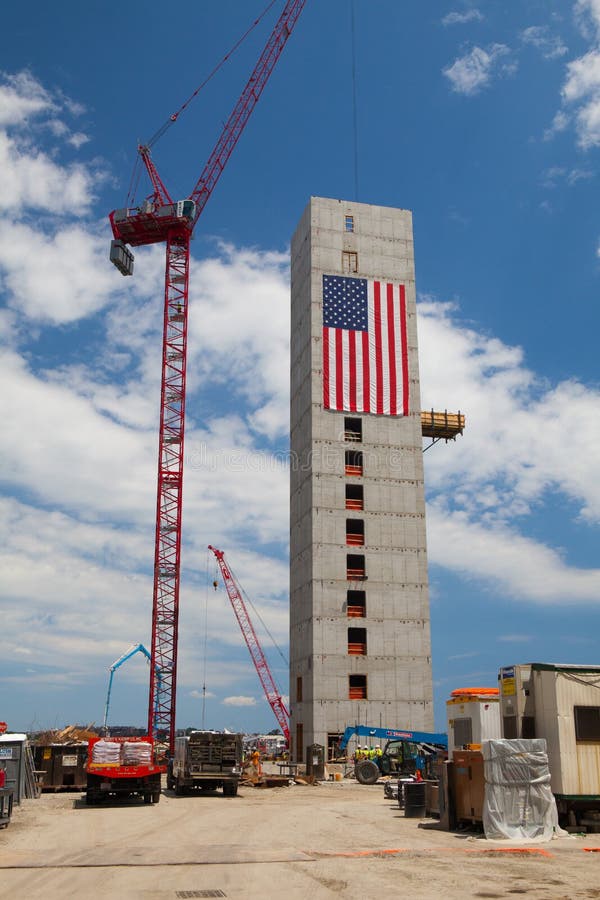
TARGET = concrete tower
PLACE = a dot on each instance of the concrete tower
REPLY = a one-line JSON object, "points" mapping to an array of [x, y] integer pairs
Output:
{"points": [[359, 604]]}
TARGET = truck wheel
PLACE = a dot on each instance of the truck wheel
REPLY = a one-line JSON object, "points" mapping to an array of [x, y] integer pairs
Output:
{"points": [[230, 789], [170, 782], [367, 772], [90, 798], [156, 797], [147, 798], [179, 789]]}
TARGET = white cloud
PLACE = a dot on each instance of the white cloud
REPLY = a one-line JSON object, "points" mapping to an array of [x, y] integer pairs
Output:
{"points": [[471, 73], [582, 90], [23, 97], [239, 701], [508, 408], [556, 175], [32, 180], [517, 566], [549, 45], [27, 107], [55, 277], [461, 18], [587, 16]]}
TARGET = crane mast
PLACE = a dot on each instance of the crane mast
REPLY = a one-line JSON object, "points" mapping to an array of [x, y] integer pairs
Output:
{"points": [[258, 658], [161, 220]]}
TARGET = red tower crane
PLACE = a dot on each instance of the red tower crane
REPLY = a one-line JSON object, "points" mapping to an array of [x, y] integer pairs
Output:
{"points": [[160, 219], [258, 658]]}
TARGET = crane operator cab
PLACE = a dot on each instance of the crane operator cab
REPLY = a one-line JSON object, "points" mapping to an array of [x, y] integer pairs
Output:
{"points": [[146, 224]]}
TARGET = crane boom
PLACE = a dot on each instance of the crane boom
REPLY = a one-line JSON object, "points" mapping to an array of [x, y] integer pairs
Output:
{"points": [[245, 105], [160, 219], [258, 658]]}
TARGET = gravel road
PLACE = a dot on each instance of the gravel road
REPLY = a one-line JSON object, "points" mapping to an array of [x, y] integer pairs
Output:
{"points": [[335, 839]]}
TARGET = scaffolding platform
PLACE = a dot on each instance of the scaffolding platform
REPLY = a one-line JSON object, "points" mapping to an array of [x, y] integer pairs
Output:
{"points": [[442, 425]]}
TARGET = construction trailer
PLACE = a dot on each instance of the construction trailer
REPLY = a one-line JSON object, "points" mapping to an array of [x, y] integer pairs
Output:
{"points": [[473, 716], [560, 703]]}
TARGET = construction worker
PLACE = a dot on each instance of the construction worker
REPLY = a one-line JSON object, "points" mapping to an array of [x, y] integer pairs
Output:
{"points": [[256, 762], [378, 752]]}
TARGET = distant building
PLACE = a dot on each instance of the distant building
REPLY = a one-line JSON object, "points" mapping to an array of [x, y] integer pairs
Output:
{"points": [[359, 604]]}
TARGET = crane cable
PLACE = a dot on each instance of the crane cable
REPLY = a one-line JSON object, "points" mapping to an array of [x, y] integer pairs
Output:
{"points": [[205, 640], [354, 106], [174, 116], [246, 597], [137, 167]]}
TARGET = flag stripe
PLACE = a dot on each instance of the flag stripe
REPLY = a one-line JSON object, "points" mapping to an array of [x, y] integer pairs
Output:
{"points": [[352, 371], [366, 362], [391, 348], [339, 370], [378, 404], [404, 350], [326, 378]]}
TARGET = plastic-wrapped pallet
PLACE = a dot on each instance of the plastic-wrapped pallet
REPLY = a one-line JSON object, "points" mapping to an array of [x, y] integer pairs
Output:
{"points": [[106, 752], [137, 753], [518, 804]]}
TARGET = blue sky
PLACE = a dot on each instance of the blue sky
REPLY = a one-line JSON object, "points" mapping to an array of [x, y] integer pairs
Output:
{"points": [[484, 119]]}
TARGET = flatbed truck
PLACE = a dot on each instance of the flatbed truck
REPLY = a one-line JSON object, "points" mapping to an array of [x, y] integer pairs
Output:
{"points": [[134, 773]]}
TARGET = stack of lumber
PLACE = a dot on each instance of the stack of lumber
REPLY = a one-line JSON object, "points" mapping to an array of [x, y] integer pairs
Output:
{"points": [[442, 424]]}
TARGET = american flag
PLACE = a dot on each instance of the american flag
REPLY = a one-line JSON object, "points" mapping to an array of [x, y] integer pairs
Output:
{"points": [[365, 356]]}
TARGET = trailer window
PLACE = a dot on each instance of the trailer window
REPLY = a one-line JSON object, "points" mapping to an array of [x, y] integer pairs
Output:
{"points": [[587, 723]]}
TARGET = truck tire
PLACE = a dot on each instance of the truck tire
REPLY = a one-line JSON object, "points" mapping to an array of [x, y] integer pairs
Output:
{"points": [[147, 798], [230, 789], [367, 772], [156, 797], [179, 789]]}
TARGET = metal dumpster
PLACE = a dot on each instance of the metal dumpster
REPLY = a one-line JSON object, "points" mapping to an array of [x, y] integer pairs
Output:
{"points": [[61, 767]]}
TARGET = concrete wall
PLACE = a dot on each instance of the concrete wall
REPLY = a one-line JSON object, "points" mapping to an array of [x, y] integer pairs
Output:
{"points": [[397, 663]]}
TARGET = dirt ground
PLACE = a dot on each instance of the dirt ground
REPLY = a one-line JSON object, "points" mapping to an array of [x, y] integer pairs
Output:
{"points": [[334, 839]]}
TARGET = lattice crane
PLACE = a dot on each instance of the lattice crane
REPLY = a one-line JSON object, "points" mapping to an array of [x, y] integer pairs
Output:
{"points": [[258, 657], [159, 219]]}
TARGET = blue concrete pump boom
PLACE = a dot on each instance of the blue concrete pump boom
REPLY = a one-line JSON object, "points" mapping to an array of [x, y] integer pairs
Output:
{"points": [[135, 648], [438, 739]]}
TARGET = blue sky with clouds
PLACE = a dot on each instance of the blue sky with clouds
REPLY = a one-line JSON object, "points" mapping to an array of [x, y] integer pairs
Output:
{"points": [[484, 119]]}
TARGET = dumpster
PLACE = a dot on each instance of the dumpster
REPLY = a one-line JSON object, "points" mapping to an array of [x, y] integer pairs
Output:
{"points": [[61, 767]]}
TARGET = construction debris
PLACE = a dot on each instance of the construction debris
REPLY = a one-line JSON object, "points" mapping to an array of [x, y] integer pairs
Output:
{"points": [[72, 734]]}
